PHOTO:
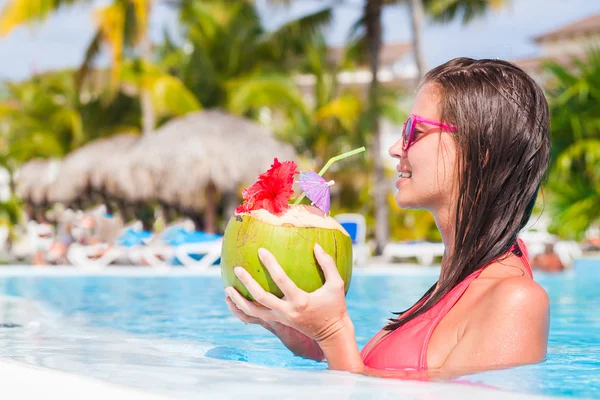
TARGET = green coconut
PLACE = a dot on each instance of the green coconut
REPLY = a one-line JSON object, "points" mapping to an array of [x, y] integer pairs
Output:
{"points": [[291, 238]]}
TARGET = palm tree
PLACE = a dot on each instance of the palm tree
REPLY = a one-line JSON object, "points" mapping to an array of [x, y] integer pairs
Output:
{"points": [[41, 118], [574, 98], [320, 123], [226, 45], [123, 25], [417, 17], [574, 189]]}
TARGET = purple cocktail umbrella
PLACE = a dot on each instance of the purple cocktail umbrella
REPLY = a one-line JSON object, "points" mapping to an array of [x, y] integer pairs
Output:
{"points": [[317, 189]]}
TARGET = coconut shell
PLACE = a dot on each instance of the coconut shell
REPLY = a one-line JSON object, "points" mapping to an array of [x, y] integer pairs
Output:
{"points": [[292, 246]]}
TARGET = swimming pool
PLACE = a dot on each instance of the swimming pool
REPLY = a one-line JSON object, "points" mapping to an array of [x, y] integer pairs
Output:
{"points": [[174, 334]]}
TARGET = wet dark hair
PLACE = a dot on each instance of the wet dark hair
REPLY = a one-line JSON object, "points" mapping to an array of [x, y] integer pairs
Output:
{"points": [[503, 146]]}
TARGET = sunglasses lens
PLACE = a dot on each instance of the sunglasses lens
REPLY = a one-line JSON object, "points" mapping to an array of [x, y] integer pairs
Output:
{"points": [[407, 130]]}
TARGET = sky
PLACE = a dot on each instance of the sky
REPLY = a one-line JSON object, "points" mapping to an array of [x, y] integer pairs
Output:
{"points": [[61, 40]]}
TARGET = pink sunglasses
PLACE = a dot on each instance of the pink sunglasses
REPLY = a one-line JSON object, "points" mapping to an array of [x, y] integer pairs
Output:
{"points": [[408, 130]]}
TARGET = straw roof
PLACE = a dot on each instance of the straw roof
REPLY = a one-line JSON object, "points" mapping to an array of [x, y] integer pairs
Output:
{"points": [[35, 178], [116, 154], [174, 165], [181, 159], [83, 165]]}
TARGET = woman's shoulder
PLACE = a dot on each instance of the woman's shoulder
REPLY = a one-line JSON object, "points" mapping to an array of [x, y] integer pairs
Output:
{"points": [[519, 292], [512, 292]]}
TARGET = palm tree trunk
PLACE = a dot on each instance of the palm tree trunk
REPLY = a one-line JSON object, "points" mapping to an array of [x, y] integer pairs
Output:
{"points": [[373, 10], [416, 22], [12, 185], [231, 201], [148, 117], [210, 212], [148, 114]]}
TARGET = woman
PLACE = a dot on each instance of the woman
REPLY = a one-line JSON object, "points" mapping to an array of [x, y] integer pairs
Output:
{"points": [[473, 152]]}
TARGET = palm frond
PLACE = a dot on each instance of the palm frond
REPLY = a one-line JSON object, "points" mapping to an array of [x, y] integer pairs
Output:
{"points": [[466, 10], [256, 91], [92, 51], [25, 12], [170, 96], [293, 35], [345, 109], [111, 22]]}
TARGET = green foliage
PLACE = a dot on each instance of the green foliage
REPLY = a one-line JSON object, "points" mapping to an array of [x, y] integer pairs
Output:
{"points": [[226, 49], [169, 95], [449, 10], [43, 117], [250, 93], [574, 179], [11, 214], [104, 115]]}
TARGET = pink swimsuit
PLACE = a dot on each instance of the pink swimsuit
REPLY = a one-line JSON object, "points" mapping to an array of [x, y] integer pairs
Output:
{"points": [[406, 347]]}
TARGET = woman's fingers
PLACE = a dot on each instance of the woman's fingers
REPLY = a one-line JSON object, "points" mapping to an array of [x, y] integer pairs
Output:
{"points": [[260, 295], [332, 275], [246, 318], [283, 282], [239, 313], [247, 307]]}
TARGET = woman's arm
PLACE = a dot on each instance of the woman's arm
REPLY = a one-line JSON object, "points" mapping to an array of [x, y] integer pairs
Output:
{"points": [[340, 348]]}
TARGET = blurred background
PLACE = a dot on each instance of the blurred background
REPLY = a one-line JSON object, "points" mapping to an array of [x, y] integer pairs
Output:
{"points": [[128, 128]]}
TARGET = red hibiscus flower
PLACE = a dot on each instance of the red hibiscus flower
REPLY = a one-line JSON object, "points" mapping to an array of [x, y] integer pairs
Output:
{"points": [[272, 191]]}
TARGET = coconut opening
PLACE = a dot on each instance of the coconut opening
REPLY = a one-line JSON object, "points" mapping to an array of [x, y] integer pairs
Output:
{"points": [[300, 216]]}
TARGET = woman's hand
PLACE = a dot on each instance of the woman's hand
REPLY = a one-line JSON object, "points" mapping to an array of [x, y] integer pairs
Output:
{"points": [[298, 343], [320, 315]]}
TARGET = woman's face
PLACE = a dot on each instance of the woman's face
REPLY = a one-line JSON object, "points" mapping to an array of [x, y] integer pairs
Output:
{"points": [[427, 171]]}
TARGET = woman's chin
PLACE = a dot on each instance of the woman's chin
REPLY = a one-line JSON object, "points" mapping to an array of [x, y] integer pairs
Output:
{"points": [[405, 202]]}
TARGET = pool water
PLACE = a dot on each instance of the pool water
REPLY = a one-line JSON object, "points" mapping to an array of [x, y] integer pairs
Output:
{"points": [[190, 311]]}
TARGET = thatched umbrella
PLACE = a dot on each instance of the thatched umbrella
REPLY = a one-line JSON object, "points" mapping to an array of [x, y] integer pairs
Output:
{"points": [[34, 179], [191, 158], [114, 159], [84, 165]]}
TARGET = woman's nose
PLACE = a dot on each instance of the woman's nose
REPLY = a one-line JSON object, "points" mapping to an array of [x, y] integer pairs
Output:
{"points": [[396, 150]]}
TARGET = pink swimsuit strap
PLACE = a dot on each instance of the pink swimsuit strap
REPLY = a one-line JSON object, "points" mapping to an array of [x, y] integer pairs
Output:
{"points": [[406, 347]]}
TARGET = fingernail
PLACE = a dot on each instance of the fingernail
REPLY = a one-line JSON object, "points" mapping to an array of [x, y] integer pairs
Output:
{"points": [[227, 292], [261, 252], [319, 248], [237, 271]]}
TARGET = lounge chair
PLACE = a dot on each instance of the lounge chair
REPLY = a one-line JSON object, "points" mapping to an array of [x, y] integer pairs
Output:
{"points": [[160, 250], [93, 256], [24, 247], [40, 236], [101, 254], [199, 250], [424, 252], [356, 227], [133, 242]]}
